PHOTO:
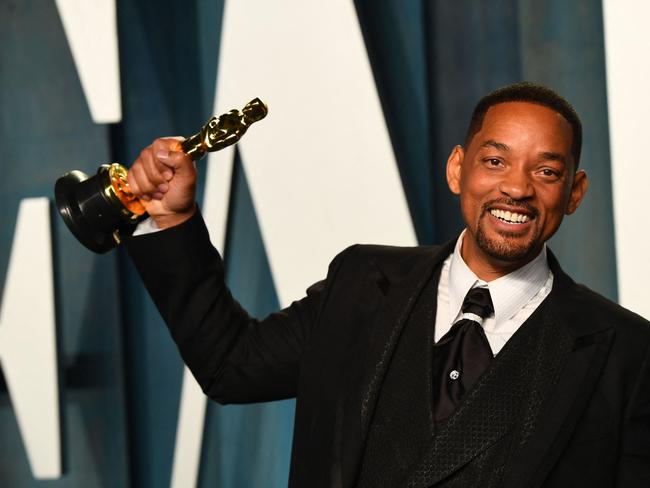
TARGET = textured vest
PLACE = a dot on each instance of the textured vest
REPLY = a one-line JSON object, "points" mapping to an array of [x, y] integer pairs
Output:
{"points": [[475, 446]]}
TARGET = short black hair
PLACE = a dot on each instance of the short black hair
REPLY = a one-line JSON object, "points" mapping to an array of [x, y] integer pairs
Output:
{"points": [[533, 93]]}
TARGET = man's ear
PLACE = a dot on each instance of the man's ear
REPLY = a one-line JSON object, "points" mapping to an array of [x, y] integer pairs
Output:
{"points": [[578, 190], [454, 164]]}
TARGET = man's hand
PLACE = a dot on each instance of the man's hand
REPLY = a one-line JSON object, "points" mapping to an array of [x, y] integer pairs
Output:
{"points": [[164, 179]]}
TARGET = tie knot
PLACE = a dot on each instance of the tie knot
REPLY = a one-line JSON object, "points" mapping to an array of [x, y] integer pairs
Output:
{"points": [[478, 302]]}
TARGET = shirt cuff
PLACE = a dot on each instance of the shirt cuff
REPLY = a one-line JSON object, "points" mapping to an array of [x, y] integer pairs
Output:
{"points": [[147, 226]]}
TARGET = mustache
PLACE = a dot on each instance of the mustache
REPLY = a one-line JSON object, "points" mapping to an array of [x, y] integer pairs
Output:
{"points": [[512, 203]]}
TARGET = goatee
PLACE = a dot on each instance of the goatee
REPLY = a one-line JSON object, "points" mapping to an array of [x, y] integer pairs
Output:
{"points": [[504, 249]]}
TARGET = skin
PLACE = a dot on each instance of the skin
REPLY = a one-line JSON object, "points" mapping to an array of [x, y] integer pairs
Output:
{"points": [[520, 161], [164, 178]]}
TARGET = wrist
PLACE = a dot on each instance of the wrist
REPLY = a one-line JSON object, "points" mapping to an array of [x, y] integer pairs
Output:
{"points": [[173, 219]]}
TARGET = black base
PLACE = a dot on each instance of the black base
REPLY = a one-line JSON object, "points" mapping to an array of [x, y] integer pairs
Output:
{"points": [[91, 217]]}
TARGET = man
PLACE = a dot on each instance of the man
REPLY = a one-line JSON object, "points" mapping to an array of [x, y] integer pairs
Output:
{"points": [[475, 363]]}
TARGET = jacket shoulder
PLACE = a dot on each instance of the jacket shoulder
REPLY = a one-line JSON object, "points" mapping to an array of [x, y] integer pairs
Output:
{"points": [[384, 252], [393, 260], [603, 310], [586, 311]]}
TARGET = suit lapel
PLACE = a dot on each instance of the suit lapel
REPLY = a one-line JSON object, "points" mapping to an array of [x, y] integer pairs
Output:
{"points": [[400, 285], [565, 405]]}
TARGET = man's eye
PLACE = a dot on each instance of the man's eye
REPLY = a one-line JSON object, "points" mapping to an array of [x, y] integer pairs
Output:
{"points": [[549, 172], [493, 162]]}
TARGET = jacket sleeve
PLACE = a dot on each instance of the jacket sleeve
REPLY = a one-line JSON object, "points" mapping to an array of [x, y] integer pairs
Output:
{"points": [[634, 465], [234, 357]]}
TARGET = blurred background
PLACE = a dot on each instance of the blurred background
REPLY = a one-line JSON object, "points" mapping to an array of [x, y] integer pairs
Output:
{"points": [[370, 97]]}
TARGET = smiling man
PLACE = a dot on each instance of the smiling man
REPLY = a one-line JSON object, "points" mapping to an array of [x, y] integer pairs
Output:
{"points": [[517, 178], [478, 363]]}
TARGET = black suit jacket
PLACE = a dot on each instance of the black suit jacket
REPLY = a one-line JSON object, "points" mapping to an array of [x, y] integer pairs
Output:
{"points": [[331, 350]]}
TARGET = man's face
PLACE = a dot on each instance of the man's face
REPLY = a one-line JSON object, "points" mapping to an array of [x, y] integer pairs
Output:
{"points": [[516, 180]]}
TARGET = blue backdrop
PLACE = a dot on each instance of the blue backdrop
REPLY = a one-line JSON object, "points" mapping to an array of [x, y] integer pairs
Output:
{"points": [[121, 373]]}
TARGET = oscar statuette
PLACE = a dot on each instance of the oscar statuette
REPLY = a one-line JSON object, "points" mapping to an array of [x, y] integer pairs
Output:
{"points": [[101, 209]]}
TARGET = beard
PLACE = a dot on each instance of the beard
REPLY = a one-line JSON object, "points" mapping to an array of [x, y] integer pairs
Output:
{"points": [[509, 246]]}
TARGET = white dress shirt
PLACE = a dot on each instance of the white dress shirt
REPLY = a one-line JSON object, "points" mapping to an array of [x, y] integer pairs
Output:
{"points": [[147, 226], [515, 296]]}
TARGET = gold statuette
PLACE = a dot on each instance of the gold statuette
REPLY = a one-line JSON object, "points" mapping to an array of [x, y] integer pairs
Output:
{"points": [[101, 209], [223, 131]]}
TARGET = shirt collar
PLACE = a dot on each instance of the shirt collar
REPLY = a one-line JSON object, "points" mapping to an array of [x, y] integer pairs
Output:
{"points": [[509, 293]]}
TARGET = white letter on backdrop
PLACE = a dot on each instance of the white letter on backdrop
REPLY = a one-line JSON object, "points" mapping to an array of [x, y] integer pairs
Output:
{"points": [[28, 338]]}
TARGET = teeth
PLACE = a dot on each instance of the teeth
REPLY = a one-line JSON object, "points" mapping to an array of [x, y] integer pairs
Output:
{"points": [[510, 217]]}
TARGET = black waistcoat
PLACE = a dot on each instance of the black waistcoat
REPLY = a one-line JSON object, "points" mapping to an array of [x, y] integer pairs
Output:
{"points": [[476, 445]]}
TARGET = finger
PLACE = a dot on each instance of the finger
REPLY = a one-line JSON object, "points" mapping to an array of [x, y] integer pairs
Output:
{"points": [[139, 181], [168, 152], [168, 143], [132, 181], [165, 145], [162, 156], [137, 177], [153, 168]]}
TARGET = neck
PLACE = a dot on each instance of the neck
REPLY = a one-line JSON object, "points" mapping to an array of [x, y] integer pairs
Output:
{"points": [[487, 267]]}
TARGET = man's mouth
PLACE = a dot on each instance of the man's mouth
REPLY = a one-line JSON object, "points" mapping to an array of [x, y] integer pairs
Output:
{"points": [[509, 217]]}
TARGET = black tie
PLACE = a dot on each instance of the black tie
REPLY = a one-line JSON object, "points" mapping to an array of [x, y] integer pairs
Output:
{"points": [[462, 355]]}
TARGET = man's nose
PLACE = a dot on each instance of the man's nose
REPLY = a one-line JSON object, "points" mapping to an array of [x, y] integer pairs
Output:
{"points": [[517, 184]]}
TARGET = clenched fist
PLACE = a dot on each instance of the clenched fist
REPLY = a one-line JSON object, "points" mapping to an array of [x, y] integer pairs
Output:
{"points": [[164, 178]]}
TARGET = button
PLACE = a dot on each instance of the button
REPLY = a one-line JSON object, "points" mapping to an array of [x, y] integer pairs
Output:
{"points": [[454, 374]]}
